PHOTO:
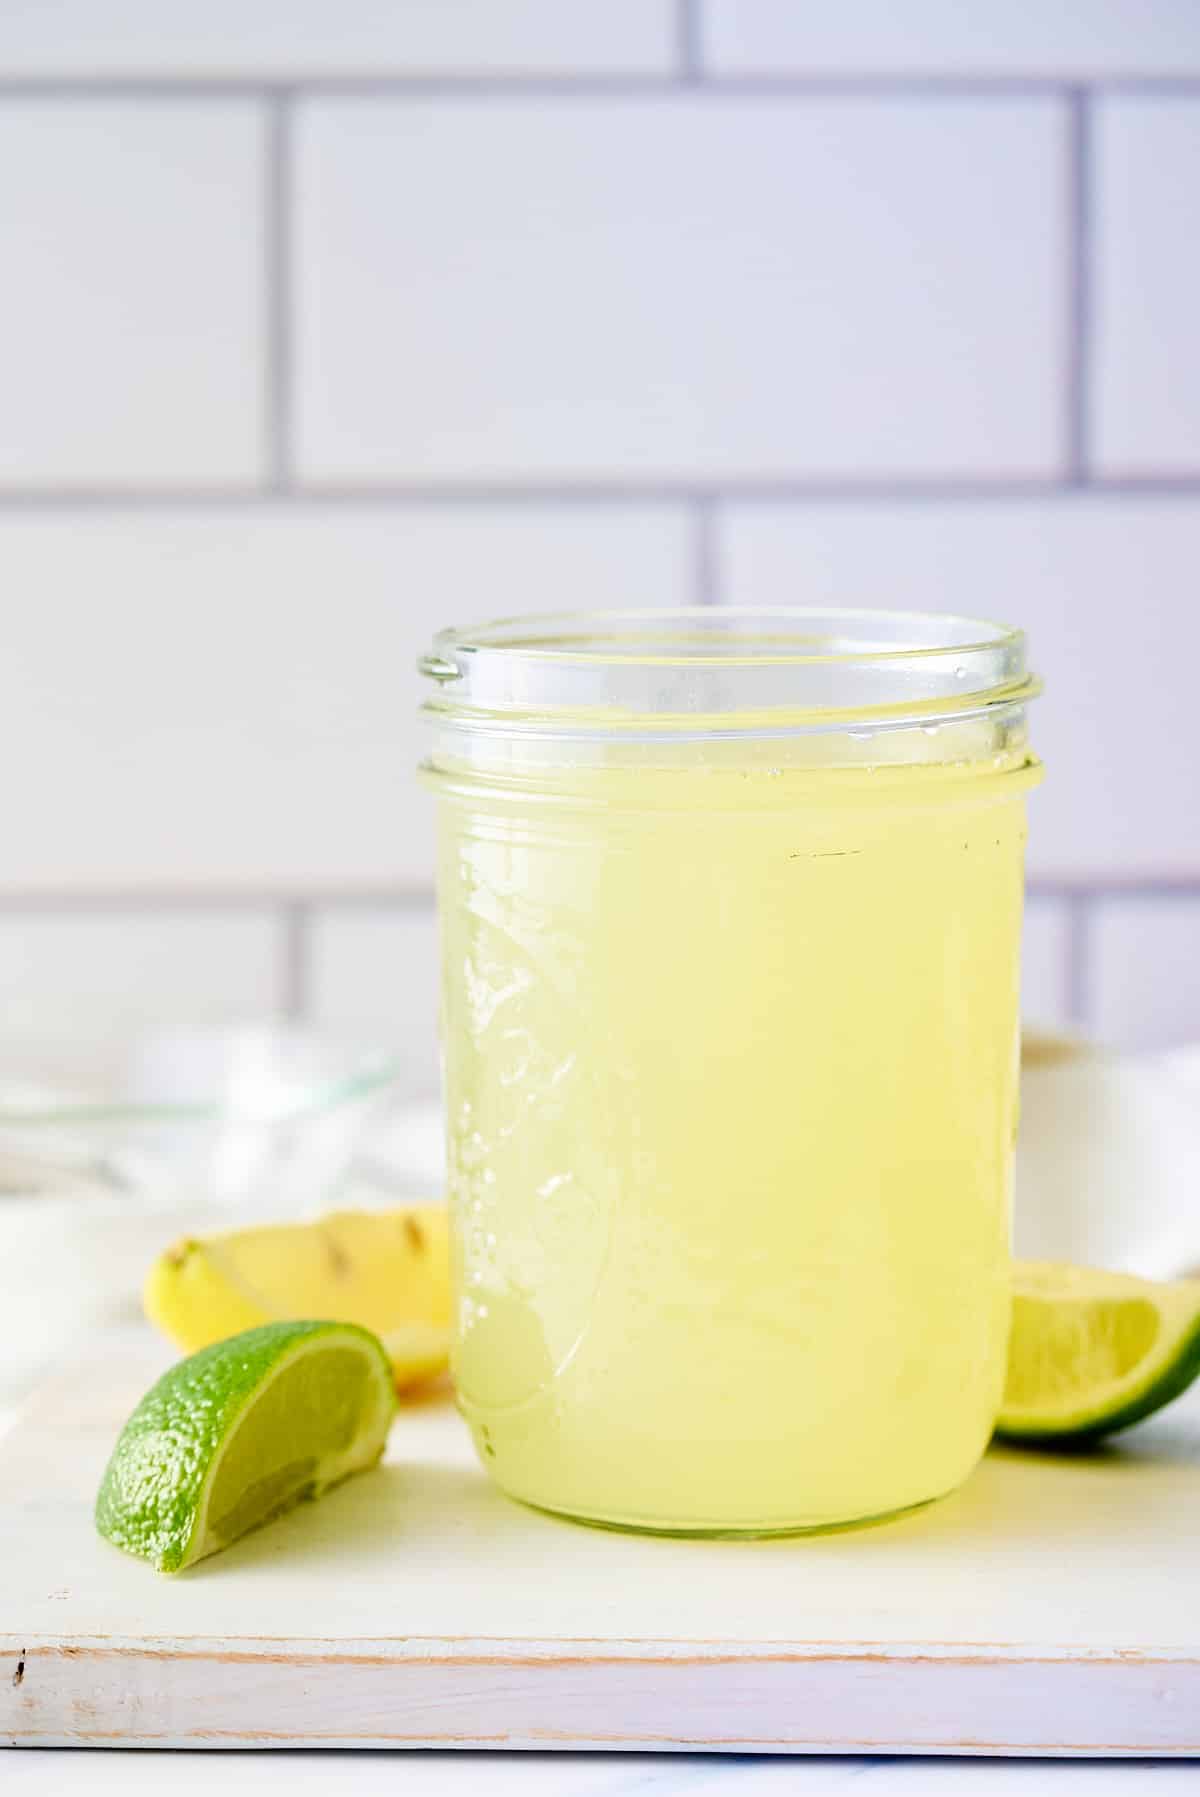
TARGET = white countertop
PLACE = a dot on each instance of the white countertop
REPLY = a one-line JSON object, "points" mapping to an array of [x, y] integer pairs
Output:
{"points": [[61, 1773]]}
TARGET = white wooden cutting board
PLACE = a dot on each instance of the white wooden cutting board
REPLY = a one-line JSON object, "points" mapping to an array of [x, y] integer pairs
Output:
{"points": [[1051, 1607]]}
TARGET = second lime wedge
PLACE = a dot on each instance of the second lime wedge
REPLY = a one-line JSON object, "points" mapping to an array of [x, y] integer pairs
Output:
{"points": [[1092, 1352]]}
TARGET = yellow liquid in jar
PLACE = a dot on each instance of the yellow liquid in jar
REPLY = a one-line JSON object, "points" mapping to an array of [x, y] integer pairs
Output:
{"points": [[731, 1060]]}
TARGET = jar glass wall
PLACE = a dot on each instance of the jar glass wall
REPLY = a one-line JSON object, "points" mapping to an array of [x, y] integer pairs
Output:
{"points": [[730, 909]]}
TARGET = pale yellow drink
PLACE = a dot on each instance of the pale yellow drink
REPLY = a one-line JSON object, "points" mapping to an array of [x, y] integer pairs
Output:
{"points": [[731, 1056]]}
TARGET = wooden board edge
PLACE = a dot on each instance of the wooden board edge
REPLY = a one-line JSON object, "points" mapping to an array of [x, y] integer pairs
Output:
{"points": [[681, 1697]]}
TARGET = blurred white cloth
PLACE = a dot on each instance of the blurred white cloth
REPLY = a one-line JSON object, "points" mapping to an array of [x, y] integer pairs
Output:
{"points": [[1108, 1159]]}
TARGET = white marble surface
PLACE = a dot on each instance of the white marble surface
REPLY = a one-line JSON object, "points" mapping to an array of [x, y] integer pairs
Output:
{"points": [[62, 1773]]}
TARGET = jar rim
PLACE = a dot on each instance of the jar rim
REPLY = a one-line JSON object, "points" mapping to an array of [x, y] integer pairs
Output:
{"points": [[733, 636], [725, 668]]}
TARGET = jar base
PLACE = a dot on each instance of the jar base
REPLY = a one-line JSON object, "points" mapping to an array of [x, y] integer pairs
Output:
{"points": [[724, 1531]]}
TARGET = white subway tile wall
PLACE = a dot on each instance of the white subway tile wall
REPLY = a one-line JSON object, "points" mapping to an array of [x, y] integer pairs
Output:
{"points": [[374, 978], [321, 327], [1147, 287], [225, 699], [132, 328], [79, 987], [1147, 969], [1031, 39], [316, 39], [678, 289], [1046, 968]]}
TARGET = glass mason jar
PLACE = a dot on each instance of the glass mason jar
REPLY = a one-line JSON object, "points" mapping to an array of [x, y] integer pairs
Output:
{"points": [[730, 909]]}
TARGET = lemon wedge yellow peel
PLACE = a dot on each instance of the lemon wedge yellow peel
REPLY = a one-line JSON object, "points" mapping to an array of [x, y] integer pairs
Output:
{"points": [[388, 1271]]}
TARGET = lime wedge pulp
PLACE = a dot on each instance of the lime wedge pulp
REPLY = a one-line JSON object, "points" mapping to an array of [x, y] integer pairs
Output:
{"points": [[1091, 1352], [240, 1432]]}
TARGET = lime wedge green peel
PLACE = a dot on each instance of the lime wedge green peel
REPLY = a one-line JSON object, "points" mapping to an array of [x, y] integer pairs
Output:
{"points": [[1093, 1352], [240, 1432]]}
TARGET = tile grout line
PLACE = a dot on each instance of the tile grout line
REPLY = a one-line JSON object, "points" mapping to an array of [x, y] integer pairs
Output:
{"points": [[1096, 887], [1078, 971], [688, 55], [277, 319], [60, 901], [891, 490], [567, 83], [295, 919], [1086, 890], [706, 581], [1077, 385]]}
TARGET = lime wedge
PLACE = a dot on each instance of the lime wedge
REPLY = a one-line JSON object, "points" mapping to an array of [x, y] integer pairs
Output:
{"points": [[1091, 1352], [236, 1434]]}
